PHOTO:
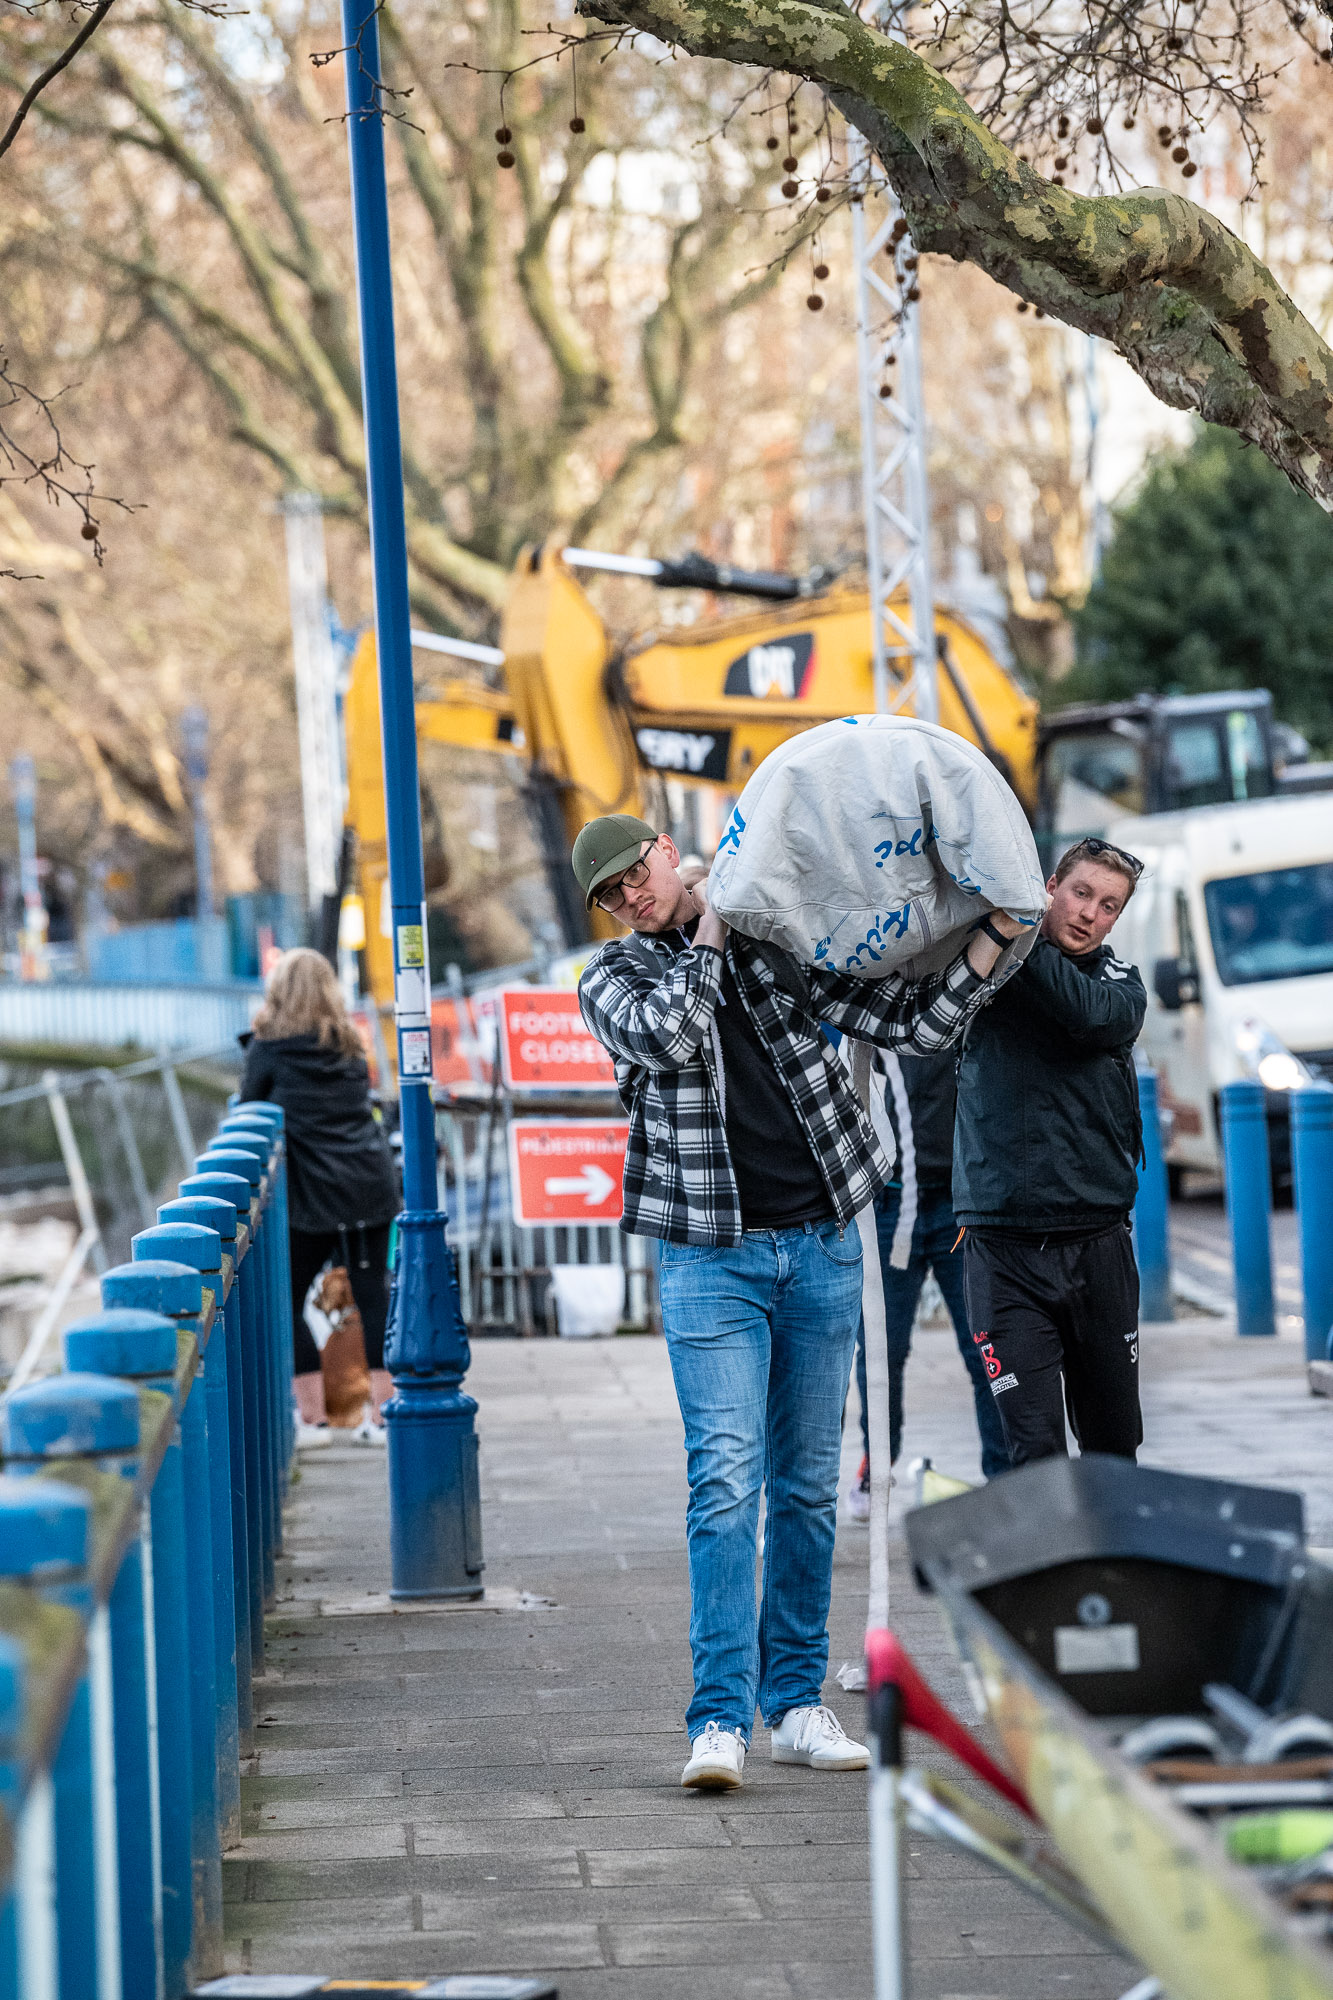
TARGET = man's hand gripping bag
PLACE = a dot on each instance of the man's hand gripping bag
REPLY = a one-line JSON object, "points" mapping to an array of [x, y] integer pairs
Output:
{"points": [[873, 845]]}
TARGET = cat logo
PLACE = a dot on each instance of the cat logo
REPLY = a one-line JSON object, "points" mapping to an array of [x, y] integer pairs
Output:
{"points": [[780, 669]]}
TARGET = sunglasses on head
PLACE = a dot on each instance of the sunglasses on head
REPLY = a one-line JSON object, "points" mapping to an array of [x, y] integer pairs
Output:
{"points": [[1092, 847]]}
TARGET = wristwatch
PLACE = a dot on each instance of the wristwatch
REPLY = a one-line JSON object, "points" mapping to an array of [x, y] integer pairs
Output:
{"points": [[997, 937]]}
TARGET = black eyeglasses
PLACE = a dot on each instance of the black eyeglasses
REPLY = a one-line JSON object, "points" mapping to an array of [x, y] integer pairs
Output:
{"points": [[634, 877], [1092, 847]]}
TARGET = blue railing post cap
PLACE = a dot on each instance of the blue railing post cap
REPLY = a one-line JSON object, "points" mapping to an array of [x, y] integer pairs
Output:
{"points": [[124, 1341], [233, 1188], [231, 1159], [255, 1144], [45, 1528], [156, 1283], [209, 1211], [259, 1107], [70, 1416], [180, 1243], [247, 1121]]}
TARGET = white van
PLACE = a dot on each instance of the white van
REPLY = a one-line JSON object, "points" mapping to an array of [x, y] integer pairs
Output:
{"points": [[1231, 927]]}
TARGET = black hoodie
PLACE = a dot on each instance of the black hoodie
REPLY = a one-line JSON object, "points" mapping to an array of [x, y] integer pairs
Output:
{"points": [[339, 1167], [1047, 1135]]}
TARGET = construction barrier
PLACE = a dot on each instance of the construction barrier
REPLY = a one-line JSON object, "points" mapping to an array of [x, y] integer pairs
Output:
{"points": [[140, 1517]]}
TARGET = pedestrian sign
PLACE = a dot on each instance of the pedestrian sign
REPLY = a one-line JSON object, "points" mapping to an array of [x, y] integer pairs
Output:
{"points": [[567, 1169], [545, 1045]]}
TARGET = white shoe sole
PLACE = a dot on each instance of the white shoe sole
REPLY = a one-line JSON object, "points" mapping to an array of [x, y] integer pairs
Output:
{"points": [[858, 1761], [712, 1778]]}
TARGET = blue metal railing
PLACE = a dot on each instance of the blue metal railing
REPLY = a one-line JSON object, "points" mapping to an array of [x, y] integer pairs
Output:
{"points": [[140, 1516]]}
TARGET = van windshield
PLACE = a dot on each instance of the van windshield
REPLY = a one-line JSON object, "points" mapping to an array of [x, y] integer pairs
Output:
{"points": [[1277, 925]]}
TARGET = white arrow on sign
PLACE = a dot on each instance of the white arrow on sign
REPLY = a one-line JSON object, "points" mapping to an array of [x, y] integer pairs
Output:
{"points": [[592, 1182]]}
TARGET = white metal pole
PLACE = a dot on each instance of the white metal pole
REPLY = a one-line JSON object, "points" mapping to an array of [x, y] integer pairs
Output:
{"points": [[316, 692]]}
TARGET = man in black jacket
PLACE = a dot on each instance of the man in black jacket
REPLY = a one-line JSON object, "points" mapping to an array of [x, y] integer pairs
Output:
{"points": [[1046, 1148]]}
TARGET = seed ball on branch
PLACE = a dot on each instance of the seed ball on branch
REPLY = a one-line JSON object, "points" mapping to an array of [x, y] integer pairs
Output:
{"points": [[771, 142], [1057, 180], [89, 531], [505, 159], [821, 272], [1174, 43], [1061, 162], [577, 125], [1189, 170], [823, 194], [1165, 134], [1062, 127], [502, 135], [886, 390], [1179, 153], [1094, 125], [790, 163], [1022, 306], [815, 303], [789, 188], [1128, 122]]}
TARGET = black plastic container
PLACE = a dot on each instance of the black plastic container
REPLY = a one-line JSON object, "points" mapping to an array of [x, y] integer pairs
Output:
{"points": [[1131, 1588]]}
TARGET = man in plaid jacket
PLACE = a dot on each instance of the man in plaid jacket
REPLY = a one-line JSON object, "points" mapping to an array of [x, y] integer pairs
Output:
{"points": [[749, 1156]]}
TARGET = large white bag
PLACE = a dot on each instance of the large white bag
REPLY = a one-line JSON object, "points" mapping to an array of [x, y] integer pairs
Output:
{"points": [[872, 845]]}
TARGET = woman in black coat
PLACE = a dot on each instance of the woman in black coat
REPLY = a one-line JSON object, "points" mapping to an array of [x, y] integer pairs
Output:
{"points": [[342, 1191]]}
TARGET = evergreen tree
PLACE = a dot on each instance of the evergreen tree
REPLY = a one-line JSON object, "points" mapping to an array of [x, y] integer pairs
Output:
{"points": [[1218, 575]]}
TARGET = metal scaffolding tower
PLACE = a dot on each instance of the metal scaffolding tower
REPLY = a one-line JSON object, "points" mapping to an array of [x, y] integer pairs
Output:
{"points": [[893, 442]]}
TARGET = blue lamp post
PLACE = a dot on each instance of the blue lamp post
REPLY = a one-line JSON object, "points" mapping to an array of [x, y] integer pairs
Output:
{"points": [[434, 1502]]}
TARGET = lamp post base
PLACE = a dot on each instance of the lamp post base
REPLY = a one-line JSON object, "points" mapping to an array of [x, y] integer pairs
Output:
{"points": [[434, 1493]]}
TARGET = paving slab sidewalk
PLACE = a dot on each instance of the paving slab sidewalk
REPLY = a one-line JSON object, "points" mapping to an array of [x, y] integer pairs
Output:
{"points": [[498, 1790]]}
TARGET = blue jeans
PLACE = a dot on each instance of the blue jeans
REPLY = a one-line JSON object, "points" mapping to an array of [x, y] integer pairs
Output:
{"points": [[933, 1238], [760, 1339]]}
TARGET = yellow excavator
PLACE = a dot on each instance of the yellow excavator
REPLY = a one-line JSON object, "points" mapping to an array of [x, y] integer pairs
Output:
{"points": [[703, 705], [707, 702]]}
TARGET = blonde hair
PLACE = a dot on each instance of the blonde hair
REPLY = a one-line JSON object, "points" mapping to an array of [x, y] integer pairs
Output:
{"points": [[302, 997]]}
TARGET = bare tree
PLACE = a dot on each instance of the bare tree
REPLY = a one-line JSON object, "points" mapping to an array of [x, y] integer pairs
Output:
{"points": [[561, 331], [1186, 302]]}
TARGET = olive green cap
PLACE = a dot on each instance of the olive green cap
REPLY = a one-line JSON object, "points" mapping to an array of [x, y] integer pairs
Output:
{"points": [[607, 847]]}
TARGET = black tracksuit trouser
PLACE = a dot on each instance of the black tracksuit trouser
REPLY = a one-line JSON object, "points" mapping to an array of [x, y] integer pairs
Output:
{"points": [[1057, 1325]]}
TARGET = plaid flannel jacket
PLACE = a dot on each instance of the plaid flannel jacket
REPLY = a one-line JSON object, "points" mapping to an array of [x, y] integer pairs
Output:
{"points": [[652, 1007]]}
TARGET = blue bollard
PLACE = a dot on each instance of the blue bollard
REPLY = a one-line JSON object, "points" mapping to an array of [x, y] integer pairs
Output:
{"points": [[11, 1800], [45, 1542], [176, 1291], [247, 1498], [243, 1159], [1312, 1174], [1248, 1197], [264, 1123], [139, 1348], [1152, 1242], [186, 1242], [218, 1212], [81, 1419], [256, 1136], [87, 1417]]}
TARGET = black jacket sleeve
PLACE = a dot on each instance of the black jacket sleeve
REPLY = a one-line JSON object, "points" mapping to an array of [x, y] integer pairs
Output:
{"points": [[1101, 1012], [257, 1075]]}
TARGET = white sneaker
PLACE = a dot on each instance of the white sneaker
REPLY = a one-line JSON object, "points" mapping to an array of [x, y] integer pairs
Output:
{"points": [[368, 1431], [814, 1736], [858, 1501], [717, 1758], [313, 1437]]}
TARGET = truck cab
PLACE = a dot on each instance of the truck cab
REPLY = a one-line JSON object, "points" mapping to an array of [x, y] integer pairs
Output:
{"points": [[1105, 761], [1231, 927]]}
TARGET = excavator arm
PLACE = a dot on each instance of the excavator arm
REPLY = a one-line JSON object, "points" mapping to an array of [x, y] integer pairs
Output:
{"points": [[704, 704]]}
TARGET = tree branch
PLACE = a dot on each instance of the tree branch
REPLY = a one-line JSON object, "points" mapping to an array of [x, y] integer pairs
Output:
{"points": [[1193, 311], [52, 71]]}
